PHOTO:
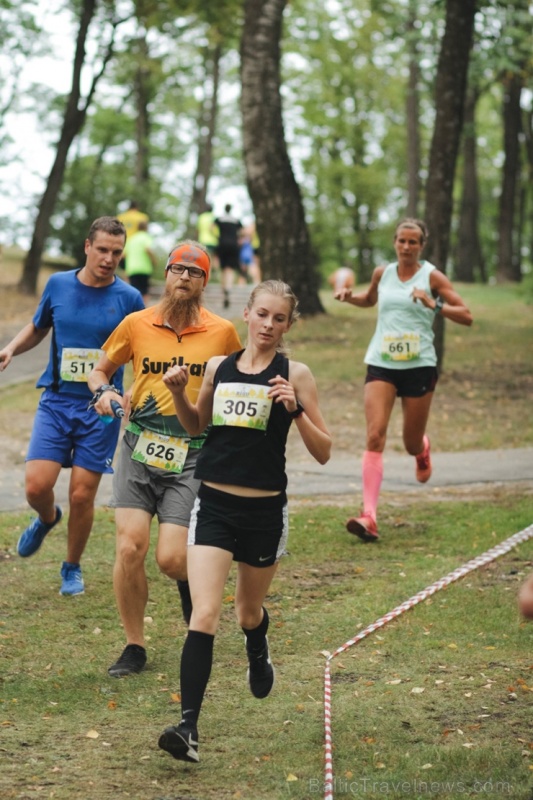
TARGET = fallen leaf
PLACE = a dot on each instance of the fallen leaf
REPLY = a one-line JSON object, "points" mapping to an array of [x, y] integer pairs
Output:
{"points": [[469, 744], [426, 766], [395, 682], [175, 697], [112, 705], [417, 690], [452, 646], [380, 765], [97, 631], [92, 734], [291, 777]]}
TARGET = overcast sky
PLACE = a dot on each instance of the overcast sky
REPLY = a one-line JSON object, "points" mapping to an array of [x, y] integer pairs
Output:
{"points": [[30, 157]]}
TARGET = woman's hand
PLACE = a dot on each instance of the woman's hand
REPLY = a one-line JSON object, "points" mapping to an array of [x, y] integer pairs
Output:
{"points": [[419, 294], [283, 392], [343, 295], [176, 379]]}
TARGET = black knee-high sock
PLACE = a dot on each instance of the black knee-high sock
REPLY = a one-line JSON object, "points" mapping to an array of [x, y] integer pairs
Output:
{"points": [[196, 662], [185, 597], [255, 637]]}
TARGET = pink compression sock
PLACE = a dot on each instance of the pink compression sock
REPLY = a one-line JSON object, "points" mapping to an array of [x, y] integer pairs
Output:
{"points": [[372, 477]]}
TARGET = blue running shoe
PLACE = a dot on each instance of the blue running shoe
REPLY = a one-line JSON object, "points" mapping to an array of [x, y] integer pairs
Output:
{"points": [[33, 536], [72, 582]]}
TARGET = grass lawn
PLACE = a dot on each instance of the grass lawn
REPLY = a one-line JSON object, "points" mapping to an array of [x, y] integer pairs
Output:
{"points": [[442, 694], [437, 703]]}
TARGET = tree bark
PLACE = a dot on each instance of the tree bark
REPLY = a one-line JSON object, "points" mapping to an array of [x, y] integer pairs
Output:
{"points": [[143, 96], [207, 124], [469, 256], [286, 251], [73, 121], [450, 89], [508, 268], [413, 115]]}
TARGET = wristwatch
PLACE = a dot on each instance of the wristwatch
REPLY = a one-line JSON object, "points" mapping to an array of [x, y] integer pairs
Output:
{"points": [[105, 387], [439, 302], [298, 411]]}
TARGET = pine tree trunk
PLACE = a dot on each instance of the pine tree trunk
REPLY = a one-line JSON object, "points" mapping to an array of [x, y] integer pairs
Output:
{"points": [[450, 90], [143, 96], [207, 123], [286, 251], [508, 268], [73, 121], [413, 115], [469, 256]]}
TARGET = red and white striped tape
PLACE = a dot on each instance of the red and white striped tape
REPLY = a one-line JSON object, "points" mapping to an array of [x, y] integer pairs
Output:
{"points": [[460, 572]]}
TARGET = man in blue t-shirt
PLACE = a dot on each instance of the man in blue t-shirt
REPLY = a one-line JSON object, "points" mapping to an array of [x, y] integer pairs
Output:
{"points": [[81, 307]]}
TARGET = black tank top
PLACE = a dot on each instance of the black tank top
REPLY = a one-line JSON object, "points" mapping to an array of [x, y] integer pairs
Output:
{"points": [[246, 456]]}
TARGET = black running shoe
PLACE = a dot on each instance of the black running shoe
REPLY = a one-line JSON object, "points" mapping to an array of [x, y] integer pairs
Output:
{"points": [[260, 673], [131, 661], [186, 602], [181, 742]]}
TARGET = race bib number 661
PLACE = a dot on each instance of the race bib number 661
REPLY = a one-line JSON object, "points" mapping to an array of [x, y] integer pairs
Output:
{"points": [[405, 347]]}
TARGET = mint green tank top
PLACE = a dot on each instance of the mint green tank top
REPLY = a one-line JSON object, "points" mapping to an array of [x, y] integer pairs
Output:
{"points": [[403, 338]]}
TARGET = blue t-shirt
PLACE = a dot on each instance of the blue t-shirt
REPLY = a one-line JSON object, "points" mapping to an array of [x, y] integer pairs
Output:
{"points": [[81, 318]]}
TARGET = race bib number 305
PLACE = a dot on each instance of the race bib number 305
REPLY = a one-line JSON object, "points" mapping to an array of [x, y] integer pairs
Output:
{"points": [[405, 347], [164, 452], [242, 404], [77, 362]]}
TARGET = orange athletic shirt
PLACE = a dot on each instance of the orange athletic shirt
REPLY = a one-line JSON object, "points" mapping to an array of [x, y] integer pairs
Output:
{"points": [[144, 339]]}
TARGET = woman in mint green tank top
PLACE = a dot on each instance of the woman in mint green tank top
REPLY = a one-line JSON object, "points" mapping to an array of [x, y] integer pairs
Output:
{"points": [[401, 358]]}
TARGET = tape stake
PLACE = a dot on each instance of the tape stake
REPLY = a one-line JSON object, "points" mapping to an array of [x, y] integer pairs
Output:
{"points": [[460, 572]]}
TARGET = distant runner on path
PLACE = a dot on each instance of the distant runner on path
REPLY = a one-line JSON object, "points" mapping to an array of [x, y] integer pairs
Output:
{"points": [[401, 358]]}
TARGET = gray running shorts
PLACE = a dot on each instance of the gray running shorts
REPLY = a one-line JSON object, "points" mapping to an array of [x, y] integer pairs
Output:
{"points": [[165, 494]]}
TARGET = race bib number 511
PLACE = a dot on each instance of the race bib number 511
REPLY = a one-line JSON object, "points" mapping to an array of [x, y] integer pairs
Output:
{"points": [[244, 405], [77, 362]]}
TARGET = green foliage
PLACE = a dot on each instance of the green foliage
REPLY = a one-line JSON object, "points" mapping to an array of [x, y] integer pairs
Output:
{"points": [[345, 75]]}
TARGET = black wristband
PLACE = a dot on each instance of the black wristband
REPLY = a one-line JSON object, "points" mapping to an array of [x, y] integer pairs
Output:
{"points": [[105, 387], [299, 410], [439, 302]]}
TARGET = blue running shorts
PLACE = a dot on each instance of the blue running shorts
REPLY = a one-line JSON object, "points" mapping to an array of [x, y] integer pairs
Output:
{"points": [[67, 432]]}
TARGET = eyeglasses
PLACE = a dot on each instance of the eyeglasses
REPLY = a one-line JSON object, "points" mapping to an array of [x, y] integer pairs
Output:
{"points": [[179, 269]]}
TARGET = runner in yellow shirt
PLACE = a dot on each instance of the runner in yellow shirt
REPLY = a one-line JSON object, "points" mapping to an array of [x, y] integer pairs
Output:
{"points": [[155, 469]]}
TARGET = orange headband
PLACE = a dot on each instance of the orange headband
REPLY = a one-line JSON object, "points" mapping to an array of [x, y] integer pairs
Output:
{"points": [[191, 256]]}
